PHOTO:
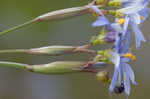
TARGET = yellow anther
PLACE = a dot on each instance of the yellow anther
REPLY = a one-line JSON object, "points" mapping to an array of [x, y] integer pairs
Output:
{"points": [[128, 55], [121, 21], [133, 58], [141, 17]]}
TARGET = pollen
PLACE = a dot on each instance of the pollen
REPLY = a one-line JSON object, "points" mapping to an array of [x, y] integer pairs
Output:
{"points": [[141, 17], [133, 58], [128, 55], [121, 21]]}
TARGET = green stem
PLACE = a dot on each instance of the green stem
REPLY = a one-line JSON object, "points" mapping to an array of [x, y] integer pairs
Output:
{"points": [[12, 51], [12, 64], [16, 27]]}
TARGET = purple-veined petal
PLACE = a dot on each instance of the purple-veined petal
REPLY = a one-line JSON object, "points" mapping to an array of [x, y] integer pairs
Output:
{"points": [[138, 35], [135, 17], [131, 73], [126, 80], [101, 21], [128, 41], [116, 27], [120, 73], [134, 8], [125, 26], [114, 79]]}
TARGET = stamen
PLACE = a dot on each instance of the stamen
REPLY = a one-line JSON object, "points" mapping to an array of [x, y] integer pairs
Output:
{"points": [[133, 58], [128, 55], [141, 17], [121, 21]]}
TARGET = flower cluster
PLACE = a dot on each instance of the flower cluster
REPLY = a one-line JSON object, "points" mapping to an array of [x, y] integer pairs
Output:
{"points": [[117, 19], [117, 26]]}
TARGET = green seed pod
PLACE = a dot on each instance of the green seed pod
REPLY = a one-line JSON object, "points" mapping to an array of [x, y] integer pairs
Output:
{"points": [[52, 50], [64, 13], [59, 67]]}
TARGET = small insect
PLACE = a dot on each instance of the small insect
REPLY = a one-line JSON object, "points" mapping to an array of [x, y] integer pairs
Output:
{"points": [[119, 89]]}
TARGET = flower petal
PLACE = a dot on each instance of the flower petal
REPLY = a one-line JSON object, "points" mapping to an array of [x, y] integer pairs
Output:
{"points": [[131, 73], [128, 41], [115, 59], [126, 80], [145, 12], [114, 79], [125, 26], [138, 35], [135, 18], [116, 27], [101, 21], [97, 10]]}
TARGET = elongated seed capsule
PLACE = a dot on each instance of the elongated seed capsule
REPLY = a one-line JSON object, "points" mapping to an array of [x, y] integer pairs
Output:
{"points": [[64, 13], [59, 67], [51, 50]]}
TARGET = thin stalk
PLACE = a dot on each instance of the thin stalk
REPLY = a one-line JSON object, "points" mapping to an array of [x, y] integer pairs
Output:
{"points": [[16, 27], [12, 51], [13, 65]]}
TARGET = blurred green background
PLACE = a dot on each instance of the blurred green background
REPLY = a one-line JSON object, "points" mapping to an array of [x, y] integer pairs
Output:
{"points": [[16, 84]]}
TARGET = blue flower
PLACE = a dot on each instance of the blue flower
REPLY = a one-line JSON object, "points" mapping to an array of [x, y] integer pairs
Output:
{"points": [[122, 73], [136, 14], [122, 70], [101, 20]]}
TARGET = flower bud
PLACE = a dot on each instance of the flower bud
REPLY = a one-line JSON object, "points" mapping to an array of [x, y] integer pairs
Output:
{"points": [[114, 4], [115, 13], [104, 38], [103, 56], [110, 37], [103, 76]]}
